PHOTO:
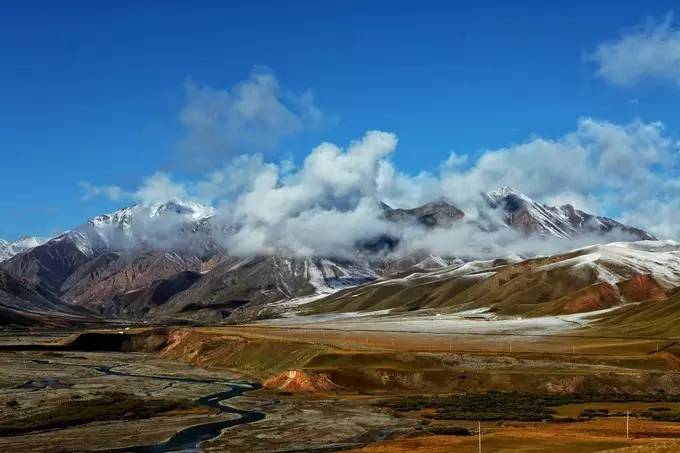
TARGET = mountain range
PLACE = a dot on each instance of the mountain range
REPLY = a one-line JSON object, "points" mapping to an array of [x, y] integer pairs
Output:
{"points": [[167, 262]]}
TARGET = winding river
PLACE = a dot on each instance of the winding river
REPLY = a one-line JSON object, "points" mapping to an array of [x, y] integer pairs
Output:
{"points": [[188, 439]]}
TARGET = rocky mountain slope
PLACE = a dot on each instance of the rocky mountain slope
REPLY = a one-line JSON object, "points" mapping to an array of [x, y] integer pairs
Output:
{"points": [[250, 284], [49, 264], [167, 260], [522, 213], [23, 303]]}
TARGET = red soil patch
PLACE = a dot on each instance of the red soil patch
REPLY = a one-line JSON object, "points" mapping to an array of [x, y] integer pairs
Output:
{"points": [[642, 287], [594, 297]]}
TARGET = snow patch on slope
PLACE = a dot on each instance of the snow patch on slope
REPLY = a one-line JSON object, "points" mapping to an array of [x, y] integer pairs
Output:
{"points": [[328, 276], [619, 261]]}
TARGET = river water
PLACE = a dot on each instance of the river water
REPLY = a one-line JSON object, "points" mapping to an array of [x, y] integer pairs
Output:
{"points": [[188, 439]]}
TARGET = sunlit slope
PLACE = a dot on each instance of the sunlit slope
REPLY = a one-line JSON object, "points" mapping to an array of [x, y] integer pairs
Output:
{"points": [[583, 280]]}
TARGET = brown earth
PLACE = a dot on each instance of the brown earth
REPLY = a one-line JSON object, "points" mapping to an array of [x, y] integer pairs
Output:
{"points": [[389, 362], [590, 436]]}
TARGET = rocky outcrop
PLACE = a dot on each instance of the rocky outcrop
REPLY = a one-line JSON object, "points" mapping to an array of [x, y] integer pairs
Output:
{"points": [[301, 381], [595, 297]]}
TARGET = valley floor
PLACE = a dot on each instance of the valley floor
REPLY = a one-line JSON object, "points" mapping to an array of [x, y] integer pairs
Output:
{"points": [[332, 386]]}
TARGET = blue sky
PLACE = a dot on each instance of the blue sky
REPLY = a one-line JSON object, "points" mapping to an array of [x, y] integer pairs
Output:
{"points": [[95, 93]]}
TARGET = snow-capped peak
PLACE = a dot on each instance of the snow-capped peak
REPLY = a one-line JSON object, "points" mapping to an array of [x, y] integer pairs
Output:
{"points": [[190, 209], [525, 214], [507, 191], [124, 218], [172, 224], [28, 242]]}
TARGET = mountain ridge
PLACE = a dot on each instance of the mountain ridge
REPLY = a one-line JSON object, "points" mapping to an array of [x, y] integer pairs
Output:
{"points": [[114, 264]]}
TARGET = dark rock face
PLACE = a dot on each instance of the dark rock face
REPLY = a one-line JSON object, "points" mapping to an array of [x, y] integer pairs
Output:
{"points": [[100, 282], [379, 245], [19, 293], [430, 215], [592, 223], [240, 288], [434, 214], [137, 303], [528, 216]]}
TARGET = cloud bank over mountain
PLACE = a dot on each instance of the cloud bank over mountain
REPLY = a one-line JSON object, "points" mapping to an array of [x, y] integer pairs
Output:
{"points": [[330, 202]]}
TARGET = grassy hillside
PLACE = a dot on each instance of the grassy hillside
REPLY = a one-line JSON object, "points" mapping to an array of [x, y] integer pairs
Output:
{"points": [[576, 282], [661, 318]]}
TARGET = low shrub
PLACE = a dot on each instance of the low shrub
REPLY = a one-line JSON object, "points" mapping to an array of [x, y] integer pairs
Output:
{"points": [[520, 406], [448, 431], [665, 416]]}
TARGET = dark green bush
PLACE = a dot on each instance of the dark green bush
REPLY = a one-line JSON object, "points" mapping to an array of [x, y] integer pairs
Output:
{"points": [[449, 431]]}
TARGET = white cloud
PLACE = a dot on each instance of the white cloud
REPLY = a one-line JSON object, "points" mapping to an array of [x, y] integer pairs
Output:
{"points": [[232, 179], [251, 117], [584, 202], [651, 51], [159, 188], [90, 191], [329, 202], [598, 158], [660, 217], [455, 161]]}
